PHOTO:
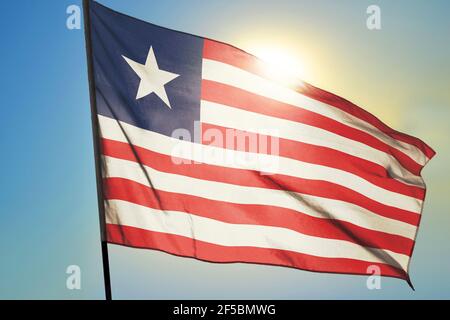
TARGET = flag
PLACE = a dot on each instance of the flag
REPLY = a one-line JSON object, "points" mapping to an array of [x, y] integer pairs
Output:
{"points": [[210, 153]]}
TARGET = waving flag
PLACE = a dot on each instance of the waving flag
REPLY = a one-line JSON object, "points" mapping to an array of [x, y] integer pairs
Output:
{"points": [[207, 152]]}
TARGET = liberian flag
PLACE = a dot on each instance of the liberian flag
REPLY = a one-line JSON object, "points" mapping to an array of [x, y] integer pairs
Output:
{"points": [[207, 152]]}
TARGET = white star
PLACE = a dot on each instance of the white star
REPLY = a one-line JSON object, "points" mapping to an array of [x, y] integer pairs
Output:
{"points": [[153, 79]]}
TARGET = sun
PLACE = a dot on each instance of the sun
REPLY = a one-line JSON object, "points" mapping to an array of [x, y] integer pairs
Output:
{"points": [[282, 65], [282, 59]]}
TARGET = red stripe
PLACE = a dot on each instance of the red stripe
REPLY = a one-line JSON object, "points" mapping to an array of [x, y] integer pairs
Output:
{"points": [[319, 155], [128, 190], [250, 178], [187, 247], [238, 98], [228, 54]]}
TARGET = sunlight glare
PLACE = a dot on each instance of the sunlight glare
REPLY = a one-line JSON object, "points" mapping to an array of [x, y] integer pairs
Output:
{"points": [[281, 66]]}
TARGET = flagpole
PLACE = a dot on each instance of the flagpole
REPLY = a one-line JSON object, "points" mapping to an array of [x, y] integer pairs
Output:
{"points": [[96, 135]]}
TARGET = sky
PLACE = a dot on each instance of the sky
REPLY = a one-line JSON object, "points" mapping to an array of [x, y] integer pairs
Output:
{"points": [[48, 204]]}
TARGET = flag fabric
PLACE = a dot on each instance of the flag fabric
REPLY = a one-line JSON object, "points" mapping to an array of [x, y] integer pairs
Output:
{"points": [[206, 152]]}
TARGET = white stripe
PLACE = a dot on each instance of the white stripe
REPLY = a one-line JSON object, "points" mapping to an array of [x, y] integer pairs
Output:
{"points": [[112, 129], [233, 76], [219, 191], [226, 116], [237, 235]]}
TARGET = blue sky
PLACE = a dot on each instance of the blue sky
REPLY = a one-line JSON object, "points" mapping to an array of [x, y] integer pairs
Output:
{"points": [[48, 203]]}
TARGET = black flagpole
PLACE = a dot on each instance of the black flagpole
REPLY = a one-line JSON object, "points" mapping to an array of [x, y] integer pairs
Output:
{"points": [[95, 134]]}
